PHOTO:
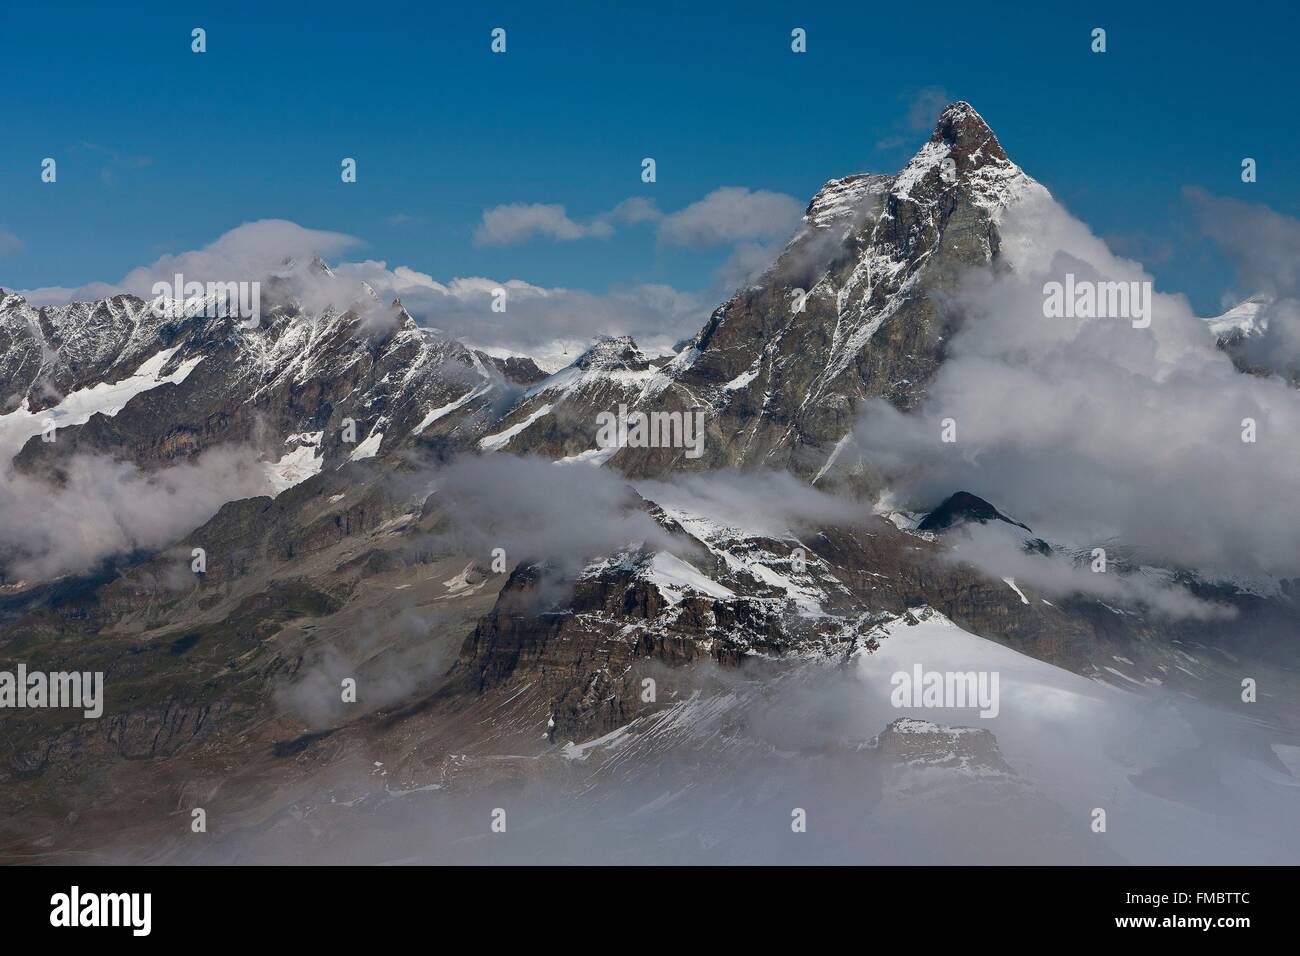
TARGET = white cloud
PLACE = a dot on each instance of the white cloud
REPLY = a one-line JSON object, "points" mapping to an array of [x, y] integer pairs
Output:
{"points": [[636, 210], [247, 252], [106, 507], [1264, 248], [519, 222], [1092, 431], [732, 214], [538, 321]]}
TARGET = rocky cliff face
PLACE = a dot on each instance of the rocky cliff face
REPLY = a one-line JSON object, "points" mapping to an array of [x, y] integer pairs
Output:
{"points": [[114, 378], [852, 309], [556, 417]]}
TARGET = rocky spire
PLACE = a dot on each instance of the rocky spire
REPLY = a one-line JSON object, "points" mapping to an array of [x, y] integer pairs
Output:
{"points": [[971, 143]]}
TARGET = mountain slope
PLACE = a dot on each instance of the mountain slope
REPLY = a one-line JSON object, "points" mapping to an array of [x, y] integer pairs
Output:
{"points": [[118, 378], [852, 309]]}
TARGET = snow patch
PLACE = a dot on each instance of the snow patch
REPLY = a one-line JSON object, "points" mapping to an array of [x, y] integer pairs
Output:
{"points": [[674, 578], [1011, 583], [447, 409], [298, 465], [501, 439], [78, 407], [368, 448]]}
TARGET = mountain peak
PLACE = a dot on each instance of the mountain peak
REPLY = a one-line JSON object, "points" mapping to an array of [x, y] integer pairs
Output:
{"points": [[962, 507], [969, 138], [613, 352]]}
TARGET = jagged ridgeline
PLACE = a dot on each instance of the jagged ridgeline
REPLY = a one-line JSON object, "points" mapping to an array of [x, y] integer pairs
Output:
{"points": [[851, 310], [848, 312]]}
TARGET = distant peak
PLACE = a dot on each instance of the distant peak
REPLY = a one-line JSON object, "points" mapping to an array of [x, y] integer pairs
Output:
{"points": [[962, 507], [613, 352]]}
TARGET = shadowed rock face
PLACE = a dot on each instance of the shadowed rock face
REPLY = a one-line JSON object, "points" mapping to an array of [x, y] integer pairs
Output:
{"points": [[962, 507], [516, 369]]}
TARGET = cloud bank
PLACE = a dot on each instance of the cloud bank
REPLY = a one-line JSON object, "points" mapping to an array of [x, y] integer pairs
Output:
{"points": [[1093, 431], [106, 508]]}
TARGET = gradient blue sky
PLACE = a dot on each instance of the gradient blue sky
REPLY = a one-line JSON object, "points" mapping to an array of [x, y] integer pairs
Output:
{"points": [[162, 150]]}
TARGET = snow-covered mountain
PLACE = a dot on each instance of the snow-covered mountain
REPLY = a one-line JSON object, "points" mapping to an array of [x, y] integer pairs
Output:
{"points": [[1244, 318], [850, 310], [368, 556], [159, 382]]}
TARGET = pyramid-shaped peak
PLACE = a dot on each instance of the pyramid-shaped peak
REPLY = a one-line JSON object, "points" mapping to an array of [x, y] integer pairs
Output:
{"points": [[613, 352], [964, 130]]}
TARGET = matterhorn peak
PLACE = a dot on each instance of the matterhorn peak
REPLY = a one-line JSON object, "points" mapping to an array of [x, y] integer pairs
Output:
{"points": [[968, 137], [962, 153]]}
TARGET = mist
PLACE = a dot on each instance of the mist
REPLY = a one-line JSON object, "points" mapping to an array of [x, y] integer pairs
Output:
{"points": [[1094, 431], [106, 507]]}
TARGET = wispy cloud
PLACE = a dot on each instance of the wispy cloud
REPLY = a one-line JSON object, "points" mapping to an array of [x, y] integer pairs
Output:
{"points": [[115, 164], [1262, 245], [106, 507], [402, 219], [921, 106], [728, 215], [518, 222], [732, 214]]}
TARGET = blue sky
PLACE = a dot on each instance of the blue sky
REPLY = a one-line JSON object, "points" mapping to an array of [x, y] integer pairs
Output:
{"points": [[161, 150]]}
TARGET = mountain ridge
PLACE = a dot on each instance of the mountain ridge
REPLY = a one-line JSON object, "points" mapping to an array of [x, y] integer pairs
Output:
{"points": [[359, 562]]}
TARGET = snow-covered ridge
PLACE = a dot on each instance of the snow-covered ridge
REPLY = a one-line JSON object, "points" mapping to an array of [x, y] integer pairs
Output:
{"points": [[66, 363], [840, 201], [499, 440], [1249, 317]]}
